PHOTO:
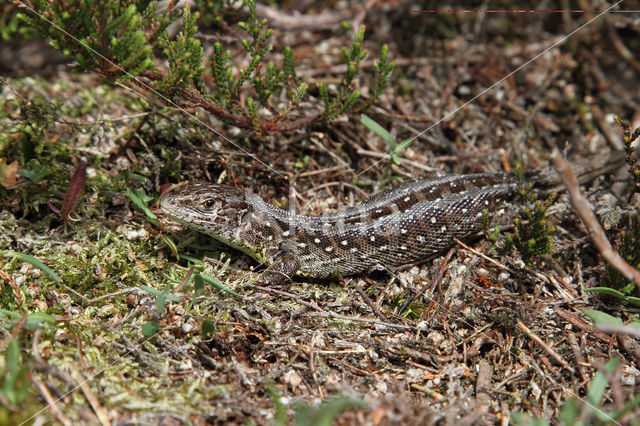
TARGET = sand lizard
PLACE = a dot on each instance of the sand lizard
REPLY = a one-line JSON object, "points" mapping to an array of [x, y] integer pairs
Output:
{"points": [[407, 223]]}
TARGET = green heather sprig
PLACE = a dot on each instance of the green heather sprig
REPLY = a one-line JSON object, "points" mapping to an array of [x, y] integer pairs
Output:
{"points": [[125, 39], [532, 232], [113, 38]]}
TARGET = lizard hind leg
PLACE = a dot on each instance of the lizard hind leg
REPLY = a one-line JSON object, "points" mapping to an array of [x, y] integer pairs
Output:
{"points": [[282, 271], [380, 272]]}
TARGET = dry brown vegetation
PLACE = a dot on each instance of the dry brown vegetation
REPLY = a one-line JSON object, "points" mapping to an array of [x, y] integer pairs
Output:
{"points": [[472, 336]]}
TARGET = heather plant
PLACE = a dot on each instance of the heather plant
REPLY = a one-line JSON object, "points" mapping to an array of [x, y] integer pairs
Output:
{"points": [[126, 40]]}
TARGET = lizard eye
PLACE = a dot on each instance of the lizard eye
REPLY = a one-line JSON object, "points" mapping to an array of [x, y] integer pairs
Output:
{"points": [[209, 203], [244, 217]]}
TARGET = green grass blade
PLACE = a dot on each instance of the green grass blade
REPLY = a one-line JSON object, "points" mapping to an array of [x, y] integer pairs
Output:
{"points": [[378, 130], [160, 293], [219, 285], [601, 317], [35, 262], [137, 201], [405, 143], [606, 290]]}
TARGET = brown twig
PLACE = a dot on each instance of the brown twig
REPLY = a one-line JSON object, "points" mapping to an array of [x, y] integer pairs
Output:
{"points": [[605, 128], [104, 296], [596, 233], [620, 47], [544, 346], [329, 314], [361, 15], [382, 155], [579, 323], [93, 400], [310, 22], [369, 302], [577, 355], [244, 121], [51, 401], [436, 281], [485, 257], [292, 296]]}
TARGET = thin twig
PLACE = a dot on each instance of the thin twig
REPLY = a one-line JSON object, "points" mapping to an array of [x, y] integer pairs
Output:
{"points": [[186, 278], [51, 401], [485, 257], [383, 155], [577, 355], [104, 296], [369, 302], [339, 168], [596, 233], [91, 397], [436, 281], [298, 21], [115, 293], [544, 346], [292, 296], [329, 314], [577, 322]]}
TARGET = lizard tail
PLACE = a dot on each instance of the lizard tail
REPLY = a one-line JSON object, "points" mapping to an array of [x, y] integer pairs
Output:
{"points": [[585, 170]]}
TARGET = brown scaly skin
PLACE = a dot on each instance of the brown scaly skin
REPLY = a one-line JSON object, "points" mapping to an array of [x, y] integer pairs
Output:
{"points": [[405, 224]]}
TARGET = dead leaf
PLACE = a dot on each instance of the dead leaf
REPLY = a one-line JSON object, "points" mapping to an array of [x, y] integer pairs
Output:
{"points": [[8, 173]]}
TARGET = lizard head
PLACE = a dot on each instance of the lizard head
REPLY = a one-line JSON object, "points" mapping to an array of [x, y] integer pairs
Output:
{"points": [[216, 210]]}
